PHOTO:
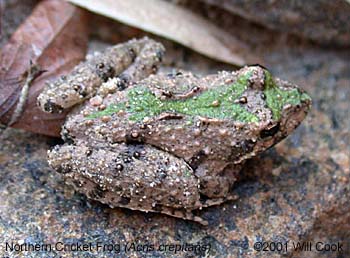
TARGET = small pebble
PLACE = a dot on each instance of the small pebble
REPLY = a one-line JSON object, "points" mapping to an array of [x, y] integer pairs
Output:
{"points": [[96, 101]]}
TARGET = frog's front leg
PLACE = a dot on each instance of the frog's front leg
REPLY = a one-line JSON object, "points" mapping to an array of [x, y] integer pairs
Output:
{"points": [[131, 61], [216, 179]]}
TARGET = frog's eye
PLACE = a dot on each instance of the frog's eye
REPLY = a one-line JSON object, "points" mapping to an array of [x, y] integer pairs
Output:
{"points": [[270, 131]]}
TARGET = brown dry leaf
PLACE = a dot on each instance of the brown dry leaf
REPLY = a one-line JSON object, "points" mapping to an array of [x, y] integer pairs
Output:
{"points": [[54, 37], [175, 23]]}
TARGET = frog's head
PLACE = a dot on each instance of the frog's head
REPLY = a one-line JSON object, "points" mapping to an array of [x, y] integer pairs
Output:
{"points": [[278, 106]]}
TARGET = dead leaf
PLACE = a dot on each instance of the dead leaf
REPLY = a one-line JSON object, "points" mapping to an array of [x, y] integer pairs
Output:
{"points": [[54, 37], [175, 23]]}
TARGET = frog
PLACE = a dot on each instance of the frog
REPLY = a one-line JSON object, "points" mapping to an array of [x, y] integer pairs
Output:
{"points": [[173, 143]]}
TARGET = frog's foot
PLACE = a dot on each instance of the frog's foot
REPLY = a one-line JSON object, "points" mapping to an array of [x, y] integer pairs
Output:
{"points": [[183, 214], [188, 215], [133, 60], [145, 62]]}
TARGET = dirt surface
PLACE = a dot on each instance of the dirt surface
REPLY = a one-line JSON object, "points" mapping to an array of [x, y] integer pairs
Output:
{"points": [[297, 191]]}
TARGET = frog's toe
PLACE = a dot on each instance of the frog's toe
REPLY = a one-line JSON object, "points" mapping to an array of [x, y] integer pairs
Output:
{"points": [[200, 220], [218, 201], [183, 214]]}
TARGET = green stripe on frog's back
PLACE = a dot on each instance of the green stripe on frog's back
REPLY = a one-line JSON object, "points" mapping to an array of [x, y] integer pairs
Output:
{"points": [[277, 98], [143, 103]]}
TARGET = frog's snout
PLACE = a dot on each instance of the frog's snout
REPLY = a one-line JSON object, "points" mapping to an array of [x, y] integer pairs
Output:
{"points": [[293, 115], [305, 99]]}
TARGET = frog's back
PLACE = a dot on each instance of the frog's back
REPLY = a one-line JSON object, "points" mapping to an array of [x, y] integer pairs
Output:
{"points": [[227, 116]]}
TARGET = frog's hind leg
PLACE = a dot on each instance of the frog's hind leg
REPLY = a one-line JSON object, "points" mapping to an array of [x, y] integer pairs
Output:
{"points": [[133, 60], [129, 175]]}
